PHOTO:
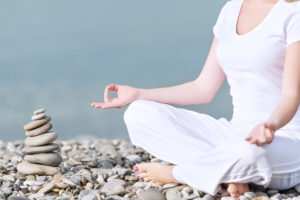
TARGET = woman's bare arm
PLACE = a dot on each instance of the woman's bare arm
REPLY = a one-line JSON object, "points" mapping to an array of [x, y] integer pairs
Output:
{"points": [[290, 92], [289, 101], [199, 91]]}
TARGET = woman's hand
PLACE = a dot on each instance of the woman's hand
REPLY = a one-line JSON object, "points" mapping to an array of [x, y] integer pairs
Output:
{"points": [[125, 95], [261, 134]]}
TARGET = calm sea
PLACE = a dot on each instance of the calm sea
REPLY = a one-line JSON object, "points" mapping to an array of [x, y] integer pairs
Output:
{"points": [[61, 54]]}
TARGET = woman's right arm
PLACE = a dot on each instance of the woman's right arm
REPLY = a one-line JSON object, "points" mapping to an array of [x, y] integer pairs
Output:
{"points": [[199, 91]]}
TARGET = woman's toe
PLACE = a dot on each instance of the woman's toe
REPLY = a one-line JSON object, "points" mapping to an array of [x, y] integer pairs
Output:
{"points": [[235, 195], [147, 179], [143, 175], [140, 168]]}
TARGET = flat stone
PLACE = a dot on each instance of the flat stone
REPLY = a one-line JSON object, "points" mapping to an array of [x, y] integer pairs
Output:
{"points": [[134, 158], [261, 198], [36, 169], [38, 116], [228, 198], [151, 195], [37, 123], [105, 164], [89, 194], [107, 149], [14, 197], [50, 159], [9, 178], [114, 187], [208, 197], [243, 197], [39, 111], [250, 195], [40, 139], [259, 194], [40, 149], [272, 192], [47, 188], [297, 188], [173, 194], [39, 131]]}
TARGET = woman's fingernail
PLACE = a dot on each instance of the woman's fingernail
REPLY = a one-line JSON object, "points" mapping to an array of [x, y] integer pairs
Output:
{"points": [[136, 168]]}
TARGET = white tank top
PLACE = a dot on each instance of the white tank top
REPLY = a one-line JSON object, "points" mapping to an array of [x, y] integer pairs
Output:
{"points": [[254, 62]]}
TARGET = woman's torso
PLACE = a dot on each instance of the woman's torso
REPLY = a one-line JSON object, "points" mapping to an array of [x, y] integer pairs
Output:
{"points": [[254, 63]]}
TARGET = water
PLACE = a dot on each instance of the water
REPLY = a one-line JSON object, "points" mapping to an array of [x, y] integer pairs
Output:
{"points": [[61, 54]]}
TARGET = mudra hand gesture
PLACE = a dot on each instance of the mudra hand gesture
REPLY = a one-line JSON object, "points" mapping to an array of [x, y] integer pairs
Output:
{"points": [[125, 95], [261, 134]]}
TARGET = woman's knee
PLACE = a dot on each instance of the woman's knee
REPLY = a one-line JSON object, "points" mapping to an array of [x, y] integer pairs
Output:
{"points": [[138, 109], [250, 154]]}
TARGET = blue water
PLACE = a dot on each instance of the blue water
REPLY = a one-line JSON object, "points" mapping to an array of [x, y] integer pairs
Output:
{"points": [[61, 54]]}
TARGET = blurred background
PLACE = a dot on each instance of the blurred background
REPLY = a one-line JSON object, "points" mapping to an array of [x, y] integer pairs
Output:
{"points": [[61, 54]]}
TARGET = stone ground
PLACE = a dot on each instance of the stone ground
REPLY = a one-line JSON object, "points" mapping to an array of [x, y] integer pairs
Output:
{"points": [[103, 169]]}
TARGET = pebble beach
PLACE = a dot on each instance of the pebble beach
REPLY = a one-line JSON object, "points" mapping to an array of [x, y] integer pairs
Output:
{"points": [[102, 169]]}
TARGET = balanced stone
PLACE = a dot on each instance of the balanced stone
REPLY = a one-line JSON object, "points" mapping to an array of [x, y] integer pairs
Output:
{"points": [[51, 159], [39, 131], [39, 111], [41, 139], [40, 149], [38, 116], [37, 123], [36, 169]]}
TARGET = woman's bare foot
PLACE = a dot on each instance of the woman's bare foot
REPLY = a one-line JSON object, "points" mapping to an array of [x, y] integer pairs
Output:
{"points": [[155, 173], [237, 189]]}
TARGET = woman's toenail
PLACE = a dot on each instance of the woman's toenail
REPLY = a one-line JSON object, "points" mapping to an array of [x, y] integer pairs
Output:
{"points": [[136, 168]]}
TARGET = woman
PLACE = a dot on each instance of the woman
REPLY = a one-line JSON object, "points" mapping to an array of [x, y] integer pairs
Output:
{"points": [[256, 47]]}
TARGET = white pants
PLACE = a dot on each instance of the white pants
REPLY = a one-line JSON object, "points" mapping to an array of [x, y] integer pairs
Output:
{"points": [[209, 151]]}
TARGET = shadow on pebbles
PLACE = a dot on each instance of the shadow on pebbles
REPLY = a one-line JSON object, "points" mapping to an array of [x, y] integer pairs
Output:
{"points": [[102, 169]]}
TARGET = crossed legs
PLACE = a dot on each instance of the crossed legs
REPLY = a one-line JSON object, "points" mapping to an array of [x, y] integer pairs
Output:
{"points": [[204, 151]]}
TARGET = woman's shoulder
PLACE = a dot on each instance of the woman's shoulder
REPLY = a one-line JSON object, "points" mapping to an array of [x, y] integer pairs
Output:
{"points": [[229, 5], [291, 7], [232, 3]]}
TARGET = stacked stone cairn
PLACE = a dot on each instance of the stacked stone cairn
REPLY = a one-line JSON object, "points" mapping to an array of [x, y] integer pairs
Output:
{"points": [[40, 153]]}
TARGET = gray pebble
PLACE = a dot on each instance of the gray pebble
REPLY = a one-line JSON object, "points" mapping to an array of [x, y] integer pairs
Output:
{"points": [[243, 197], [208, 197], [173, 194], [7, 191], [151, 195], [14, 197], [250, 195], [9, 178], [228, 198], [134, 158], [106, 164], [276, 196], [89, 194], [272, 192], [114, 187], [297, 188]]}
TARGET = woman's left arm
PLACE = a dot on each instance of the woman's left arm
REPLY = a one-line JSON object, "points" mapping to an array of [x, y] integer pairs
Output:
{"points": [[290, 91], [289, 99]]}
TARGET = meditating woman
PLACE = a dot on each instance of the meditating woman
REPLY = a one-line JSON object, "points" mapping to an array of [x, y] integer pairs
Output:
{"points": [[257, 49]]}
